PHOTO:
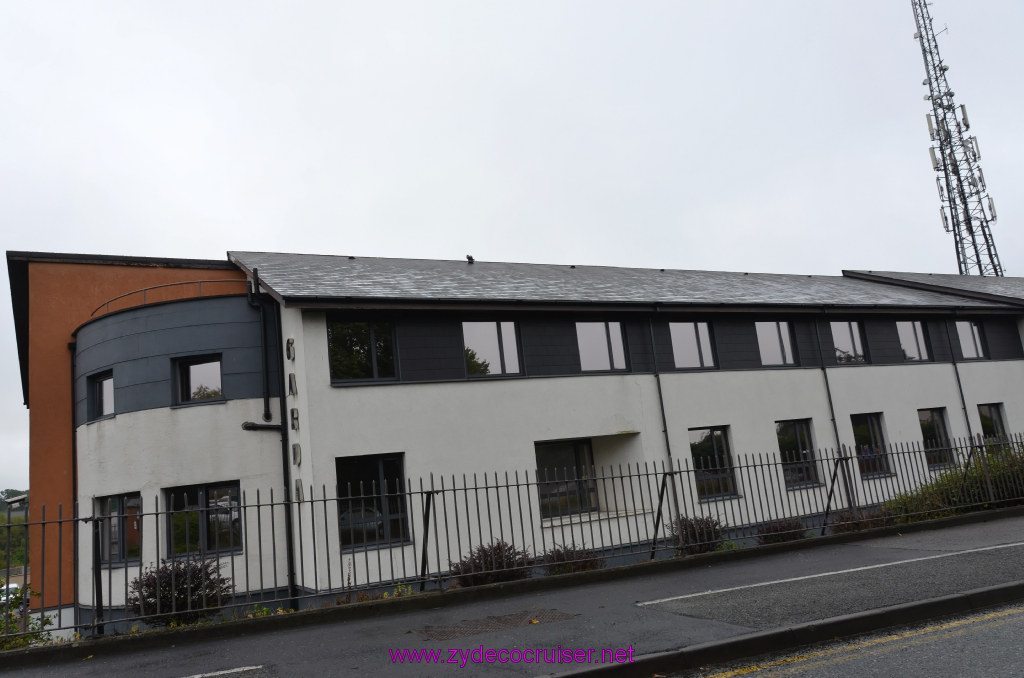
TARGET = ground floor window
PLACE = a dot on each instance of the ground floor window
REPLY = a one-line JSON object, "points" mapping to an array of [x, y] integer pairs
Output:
{"points": [[870, 444], [993, 427], [797, 451], [712, 462], [120, 527], [372, 507], [204, 518], [937, 448], [565, 478]]}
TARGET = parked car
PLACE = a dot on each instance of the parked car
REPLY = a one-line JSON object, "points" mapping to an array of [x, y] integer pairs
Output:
{"points": [[11, 597]]}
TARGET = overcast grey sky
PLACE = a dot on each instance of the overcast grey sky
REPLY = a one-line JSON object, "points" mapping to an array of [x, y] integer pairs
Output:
{"points": [[781, 136]]}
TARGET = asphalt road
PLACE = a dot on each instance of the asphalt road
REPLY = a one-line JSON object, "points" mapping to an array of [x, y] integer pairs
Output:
{"points": [[985, 644], [720, 602]]}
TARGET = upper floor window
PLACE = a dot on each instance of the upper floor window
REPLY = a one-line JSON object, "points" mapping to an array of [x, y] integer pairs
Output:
{"points": [[101, 395], [712, 462], [199, 379], [913, 340], [360, 350], [372, 499], [797, 450], [992, 424], [120, 521], [565, 478], [691, 345], [869, 440], [936, 440], [204, 518], [601, 346], [847, 341], [972, 343], [775, 342], [491, 348]]}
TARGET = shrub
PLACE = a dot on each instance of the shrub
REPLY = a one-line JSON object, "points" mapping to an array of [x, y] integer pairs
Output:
{"points": [[569, 559], [701, 534], [180, 591], [854, 520], [16, 619], [491, 563], [781, 530]]}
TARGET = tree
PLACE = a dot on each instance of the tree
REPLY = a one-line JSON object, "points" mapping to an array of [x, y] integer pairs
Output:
{"points": [[475, 366]]}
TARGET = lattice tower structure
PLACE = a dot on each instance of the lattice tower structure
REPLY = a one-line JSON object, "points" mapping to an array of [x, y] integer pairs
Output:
{"points": [[966, 209]]}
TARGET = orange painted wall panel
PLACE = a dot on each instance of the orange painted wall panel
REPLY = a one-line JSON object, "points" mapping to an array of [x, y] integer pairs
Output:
{"points": [[62, 296]]}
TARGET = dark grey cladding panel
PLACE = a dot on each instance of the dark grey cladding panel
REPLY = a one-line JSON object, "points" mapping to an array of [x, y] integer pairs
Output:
{"points": [[806, 343], [663, 346], [1003, 339], [939, 341], [736, 342], [139, 346], [638, 344], [430, 350], [549, 347], [883, 342]]}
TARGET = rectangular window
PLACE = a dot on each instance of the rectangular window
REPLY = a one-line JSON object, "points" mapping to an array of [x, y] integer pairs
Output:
{"points": [[691, 345], [601, 346], [712, 462], [120, 520], [491, 348], [870, 443], [371, 500], [204, 519], [913, 340], [935, 437], [775, 343], [199, 379], [100, 400], [848, 342], [797, 451], [565, 478], [972, 343], [360, 350], [993, 427]]}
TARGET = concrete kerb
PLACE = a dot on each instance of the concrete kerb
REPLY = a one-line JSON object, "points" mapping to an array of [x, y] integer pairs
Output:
{"points": [[75, 650], [791, 637]]}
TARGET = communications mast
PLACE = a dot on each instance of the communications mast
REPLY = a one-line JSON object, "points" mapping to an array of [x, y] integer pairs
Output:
{"points": [[967, 210]]}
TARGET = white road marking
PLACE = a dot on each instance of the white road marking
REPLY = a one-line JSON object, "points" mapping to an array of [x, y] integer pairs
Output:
{"points": [[828, 574], [226, 672]]}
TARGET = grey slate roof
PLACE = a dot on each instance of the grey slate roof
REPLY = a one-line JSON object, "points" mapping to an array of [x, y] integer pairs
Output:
{"points": [[990, 287], [314, 277]]}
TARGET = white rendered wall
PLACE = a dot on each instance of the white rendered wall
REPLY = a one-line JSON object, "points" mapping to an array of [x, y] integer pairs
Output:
{"points": [[154, 450]]}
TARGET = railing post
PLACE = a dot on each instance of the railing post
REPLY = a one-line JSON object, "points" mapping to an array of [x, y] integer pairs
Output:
{"points": [[657, 518], [97, 576], [426, 537]]}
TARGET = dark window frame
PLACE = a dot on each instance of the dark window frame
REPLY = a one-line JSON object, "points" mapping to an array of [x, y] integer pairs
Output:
{"points": [[976, 332], [566, 491], [96, 400], [799, 465], [609, 344], [919, 332], [199, 539], [705, 362], [374, 328], [116, 521], [384, 500], [785, 341], [504, 356], [720, 474], [853, 332], [997, 428], [938, 450], [871, 450], [183, 392]]}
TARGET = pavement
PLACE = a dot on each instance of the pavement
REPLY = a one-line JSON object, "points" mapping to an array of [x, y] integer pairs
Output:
{"points": [[643, 620]]}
